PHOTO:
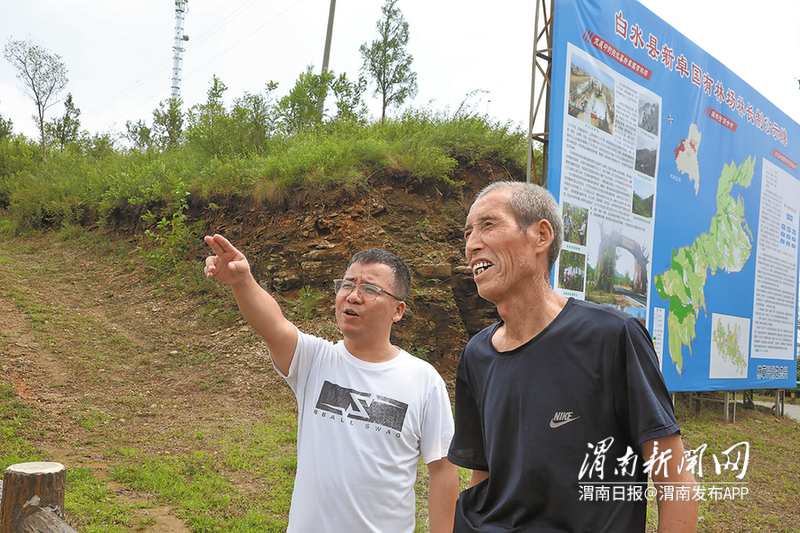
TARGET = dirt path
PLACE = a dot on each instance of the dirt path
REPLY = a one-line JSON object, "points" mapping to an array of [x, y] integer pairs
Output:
{"points": [[108, 359]]}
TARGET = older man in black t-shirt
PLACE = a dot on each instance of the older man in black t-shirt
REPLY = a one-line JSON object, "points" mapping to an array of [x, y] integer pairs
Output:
{"points": [[561, 403]]}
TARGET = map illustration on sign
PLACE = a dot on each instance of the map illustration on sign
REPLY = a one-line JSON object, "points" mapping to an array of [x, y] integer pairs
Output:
{"points": [[726, 245], [686, 157], [730, 343]]}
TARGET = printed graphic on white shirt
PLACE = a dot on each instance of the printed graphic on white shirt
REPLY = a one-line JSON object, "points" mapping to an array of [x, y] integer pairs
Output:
{"points": [[363, 406]]}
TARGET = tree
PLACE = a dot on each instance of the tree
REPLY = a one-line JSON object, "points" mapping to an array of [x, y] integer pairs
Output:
{"points": [[349, 102], [254, 117], [43, 74], [208, 124], [168, 124], [387, 62], [64, 130], [6, 127], [139, 135], [100, 145], [302, 108]]}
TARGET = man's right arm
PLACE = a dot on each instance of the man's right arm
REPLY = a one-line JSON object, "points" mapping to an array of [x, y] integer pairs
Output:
{"points": [[675, 515], [258, 308], [477, 477]]}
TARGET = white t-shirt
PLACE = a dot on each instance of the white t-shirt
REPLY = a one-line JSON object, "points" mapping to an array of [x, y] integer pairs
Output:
{"points": [[361, 430]]}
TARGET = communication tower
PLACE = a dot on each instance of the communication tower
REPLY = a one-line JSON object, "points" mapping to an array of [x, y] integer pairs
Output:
{"points": [[181, 8]]}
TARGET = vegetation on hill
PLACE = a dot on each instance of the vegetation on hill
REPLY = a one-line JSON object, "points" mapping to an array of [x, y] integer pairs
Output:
{"points": [[93, 179]]}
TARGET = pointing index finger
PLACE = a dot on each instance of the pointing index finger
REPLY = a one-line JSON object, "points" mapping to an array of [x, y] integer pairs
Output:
{"points": [[220, 245]]}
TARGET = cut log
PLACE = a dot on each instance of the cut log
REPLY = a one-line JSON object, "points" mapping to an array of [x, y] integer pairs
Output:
{"points": [[33, 499], [44, 521]]}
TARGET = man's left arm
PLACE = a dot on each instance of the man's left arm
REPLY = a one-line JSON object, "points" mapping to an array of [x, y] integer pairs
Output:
{"points": [[675, 515], [442, 495]]}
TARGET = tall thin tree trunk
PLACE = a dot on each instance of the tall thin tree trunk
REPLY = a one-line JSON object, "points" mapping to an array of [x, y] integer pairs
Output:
{"points": [[41, 133]]}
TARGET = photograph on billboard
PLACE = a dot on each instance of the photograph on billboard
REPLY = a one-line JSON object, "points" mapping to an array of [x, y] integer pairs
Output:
{"points": [[680, 194]]}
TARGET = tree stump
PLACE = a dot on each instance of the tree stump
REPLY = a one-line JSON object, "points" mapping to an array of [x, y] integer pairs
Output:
{"points": [[33, 499]]}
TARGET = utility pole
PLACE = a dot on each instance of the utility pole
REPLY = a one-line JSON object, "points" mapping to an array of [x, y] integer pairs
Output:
{"points": [[181, 7], [327, 55]]}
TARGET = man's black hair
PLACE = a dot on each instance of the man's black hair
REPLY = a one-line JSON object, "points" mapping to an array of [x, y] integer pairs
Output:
{"points": [[401, 273]]}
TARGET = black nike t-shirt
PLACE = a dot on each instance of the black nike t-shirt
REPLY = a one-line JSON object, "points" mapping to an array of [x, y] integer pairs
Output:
{"points": [[559, 423]]}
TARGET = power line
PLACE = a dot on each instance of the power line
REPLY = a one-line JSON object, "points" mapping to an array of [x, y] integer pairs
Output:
{"points": [[164, 66], [222, 23], [273, 19], [135, 85]]}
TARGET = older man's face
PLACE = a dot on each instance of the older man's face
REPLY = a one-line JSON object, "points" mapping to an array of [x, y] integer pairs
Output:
{"points": [[499, 252]]}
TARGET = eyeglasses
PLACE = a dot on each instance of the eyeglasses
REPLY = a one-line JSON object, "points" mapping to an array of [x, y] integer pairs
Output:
{"points": [[366, 291]]}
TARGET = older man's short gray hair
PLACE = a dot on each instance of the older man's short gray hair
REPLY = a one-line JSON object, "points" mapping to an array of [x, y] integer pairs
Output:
{"points": [[530, 203]]}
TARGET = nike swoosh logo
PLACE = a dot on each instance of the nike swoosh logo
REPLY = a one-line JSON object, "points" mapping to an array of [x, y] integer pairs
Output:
{"points": [[554, 424]]}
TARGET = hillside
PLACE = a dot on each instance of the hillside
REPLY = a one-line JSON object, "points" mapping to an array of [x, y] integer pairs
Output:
{"points": [[307, 239]]}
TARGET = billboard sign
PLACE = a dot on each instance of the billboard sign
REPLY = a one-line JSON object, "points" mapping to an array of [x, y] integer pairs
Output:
{"points": [[680, 195]]}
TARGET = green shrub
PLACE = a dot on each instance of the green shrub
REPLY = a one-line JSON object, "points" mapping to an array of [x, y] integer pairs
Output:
{"points": [[308, 301], [173, 236]]}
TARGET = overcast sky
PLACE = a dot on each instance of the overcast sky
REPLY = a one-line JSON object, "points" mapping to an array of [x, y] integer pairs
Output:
{"points": [[119, 53]]}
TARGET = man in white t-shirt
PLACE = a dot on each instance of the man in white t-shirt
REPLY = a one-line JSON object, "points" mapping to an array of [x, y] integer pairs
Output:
{"points": [[367, 410]]}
